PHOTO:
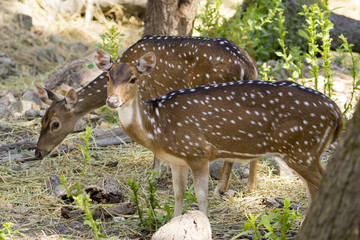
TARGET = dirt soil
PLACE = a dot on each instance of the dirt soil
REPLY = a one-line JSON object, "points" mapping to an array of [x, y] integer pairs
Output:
{"points": [[25, 198]]}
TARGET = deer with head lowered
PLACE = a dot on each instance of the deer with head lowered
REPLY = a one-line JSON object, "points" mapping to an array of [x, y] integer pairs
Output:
{"points": [[236, 121], [183, 62]]}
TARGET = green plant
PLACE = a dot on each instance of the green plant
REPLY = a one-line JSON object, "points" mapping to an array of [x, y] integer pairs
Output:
{"points": [[111, 42], [293, 63], [280, 220], [69, 190], [311, 14], [266, 72], [326, 25], [83, 202], [152, 220], [190, 198], [85, 149], [110, 116], [251, 28], [355, 61], [8, 232]]}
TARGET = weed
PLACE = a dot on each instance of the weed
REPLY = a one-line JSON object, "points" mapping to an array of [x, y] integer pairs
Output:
{"points": [[353, 71], [83, 202], [152, 221], [250, 29], [85, 149], [277, 222], [311, 14], [266, 72], [111, 42], [290, 66], [7, 232], [326, 25], [110, 116], [70, 190]]}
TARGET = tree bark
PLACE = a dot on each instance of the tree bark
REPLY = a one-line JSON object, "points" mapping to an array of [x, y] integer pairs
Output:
{"points": [[170, 17], [335, 213]]}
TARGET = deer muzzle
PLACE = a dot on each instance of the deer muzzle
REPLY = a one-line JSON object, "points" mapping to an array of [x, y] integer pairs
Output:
{"points": [[40, 154], [114, 102]]}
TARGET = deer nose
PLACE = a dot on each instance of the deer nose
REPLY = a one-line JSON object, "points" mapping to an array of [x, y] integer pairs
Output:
{"points": [[38, 154], [113, 102]]}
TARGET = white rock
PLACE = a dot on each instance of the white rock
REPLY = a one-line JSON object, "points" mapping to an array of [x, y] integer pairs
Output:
{"points": [[191, 226]]}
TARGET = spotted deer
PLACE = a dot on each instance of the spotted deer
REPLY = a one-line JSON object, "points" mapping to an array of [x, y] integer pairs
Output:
{"points": [[183, 62], [236, 121]]}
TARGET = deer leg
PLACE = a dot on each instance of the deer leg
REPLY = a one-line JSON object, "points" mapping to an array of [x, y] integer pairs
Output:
{"points": [[179, 175], [252, 176], [224, 178], [157, 167], [311, 175], [201, 184]]}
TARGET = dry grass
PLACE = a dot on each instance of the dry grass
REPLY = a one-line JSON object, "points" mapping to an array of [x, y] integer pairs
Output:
{"points": [[20, 45], [25, 198]]}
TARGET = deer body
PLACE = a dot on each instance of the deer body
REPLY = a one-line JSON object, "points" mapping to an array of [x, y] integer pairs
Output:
{"points": [[183, 62], [236, 121]]}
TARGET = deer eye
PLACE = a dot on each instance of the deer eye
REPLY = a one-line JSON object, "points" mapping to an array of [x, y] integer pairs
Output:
{"points": [[55, 125], [133, 80]]}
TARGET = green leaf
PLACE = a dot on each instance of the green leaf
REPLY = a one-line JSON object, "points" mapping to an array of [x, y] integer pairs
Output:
{"points": [[247, 226], [90, 65], [279, 54]]}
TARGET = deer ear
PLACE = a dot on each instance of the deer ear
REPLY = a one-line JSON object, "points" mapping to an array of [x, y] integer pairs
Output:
{"points": [[47, 96], [146, 63], [103, 60], [70, 100]]}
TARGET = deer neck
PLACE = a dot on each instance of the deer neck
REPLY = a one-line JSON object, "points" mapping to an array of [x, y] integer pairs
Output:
{"points": [[91, 97], [137, 117]]}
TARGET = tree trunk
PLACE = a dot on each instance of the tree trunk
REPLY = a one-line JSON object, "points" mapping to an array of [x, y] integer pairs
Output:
{"points": [[170, 17], [335, 213]]}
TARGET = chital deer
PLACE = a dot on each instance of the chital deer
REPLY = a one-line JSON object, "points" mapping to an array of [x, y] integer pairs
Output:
{"points": [[183, 62], [236, 121]]}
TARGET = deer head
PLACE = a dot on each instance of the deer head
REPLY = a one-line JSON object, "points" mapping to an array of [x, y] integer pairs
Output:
{"points": [[58, 120]]}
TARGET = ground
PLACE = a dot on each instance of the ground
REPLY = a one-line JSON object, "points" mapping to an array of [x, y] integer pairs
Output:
{"points": [[24, 196]]}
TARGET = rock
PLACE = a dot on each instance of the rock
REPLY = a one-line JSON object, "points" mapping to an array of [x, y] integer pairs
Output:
{"points": [[16, 107], [110, 193], [48, 55], [32, 113], [78, 47], [26, 106], [16, 167], [74, 74], [54, 38], [338, 85], [215, 168], [8, 99], [7, 66], [4, 111], [24, 21], [270, 202], [30, 95], [193, 225], [80, 125], [113, 187]]}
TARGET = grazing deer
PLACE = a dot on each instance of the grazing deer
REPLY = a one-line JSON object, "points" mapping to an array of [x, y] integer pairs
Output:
{"points": [[183, 62], [236, 121]]}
